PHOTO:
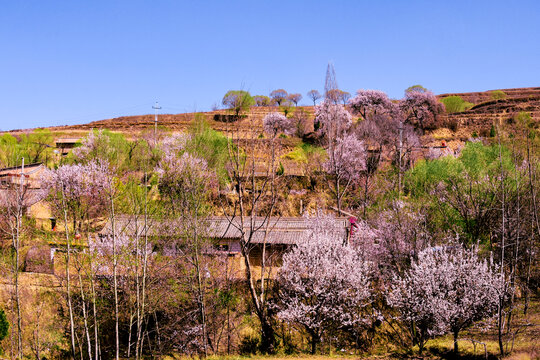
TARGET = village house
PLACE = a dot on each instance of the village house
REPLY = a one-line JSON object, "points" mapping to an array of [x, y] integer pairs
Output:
{"points": [[64, 146], [31, 176], [224, 237]]}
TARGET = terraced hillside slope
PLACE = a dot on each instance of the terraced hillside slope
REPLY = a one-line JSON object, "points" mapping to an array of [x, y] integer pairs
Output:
{"points": [[455, 128], [488, 111]]}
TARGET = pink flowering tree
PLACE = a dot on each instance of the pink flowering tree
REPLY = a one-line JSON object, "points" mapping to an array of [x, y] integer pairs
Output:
{"points": [[185, 181], [324, 285], [391, 238], [275, 123], [345, 164], [182, 178], [367, 103], [446, 290], [79, 189], [77, 192], [331, 120], [421, 109]]}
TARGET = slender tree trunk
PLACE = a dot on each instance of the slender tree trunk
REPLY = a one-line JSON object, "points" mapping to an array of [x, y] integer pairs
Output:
{"points": [[68, 275], [94, 313], [142, 298], [130, 331], [456, 348], [17, 295], [200, 288], [500, 314], [85, 317], [115, 281]]}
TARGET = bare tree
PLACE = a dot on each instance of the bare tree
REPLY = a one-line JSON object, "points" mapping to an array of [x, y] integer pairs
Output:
{"points": [[14, 200], [295, 98], [279, 96], [249, 212], [314, 95]]}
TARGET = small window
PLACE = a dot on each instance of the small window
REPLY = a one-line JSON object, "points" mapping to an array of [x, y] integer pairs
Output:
{"points": [[221, 247]]}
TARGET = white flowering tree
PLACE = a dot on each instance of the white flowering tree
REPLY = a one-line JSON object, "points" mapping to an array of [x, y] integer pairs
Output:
{"points": [[185, 182], [369, 103], [324, 285], [275, 123], [446, 290], [332, 120], [346, 163], [421, 109]]}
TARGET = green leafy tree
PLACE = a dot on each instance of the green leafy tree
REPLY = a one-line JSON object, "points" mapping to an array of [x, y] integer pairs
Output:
{"points": [[209, 144], [453, 104], [37, 146], [262, 100], [462, 192], [10, 151], [498, 95], [238, 101], [417, 88]]}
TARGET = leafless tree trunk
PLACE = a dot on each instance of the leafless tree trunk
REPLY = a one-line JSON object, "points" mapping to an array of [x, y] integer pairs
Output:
{"points": [[500, 310], [16, 246], [248, 219], [141, 283], [115, 278], [68, 275], [85, 312]]}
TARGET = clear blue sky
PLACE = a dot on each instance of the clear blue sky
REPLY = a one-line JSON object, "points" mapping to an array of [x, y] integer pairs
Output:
{"points": [[69, 62]]}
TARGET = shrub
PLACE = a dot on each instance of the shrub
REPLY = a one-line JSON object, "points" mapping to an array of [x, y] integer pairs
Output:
{"points": [[455, 104], [228, 117], [210, 145], [4, 325], [498, 95], [524, 118], [249, 345], [452, 124], [492, 131]]}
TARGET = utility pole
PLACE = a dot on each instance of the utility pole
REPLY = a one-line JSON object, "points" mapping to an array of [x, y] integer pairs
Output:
{"points": [[156, 107]]}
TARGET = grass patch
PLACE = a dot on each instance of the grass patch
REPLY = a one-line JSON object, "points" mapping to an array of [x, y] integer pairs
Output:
{"points": [[303, 152]]}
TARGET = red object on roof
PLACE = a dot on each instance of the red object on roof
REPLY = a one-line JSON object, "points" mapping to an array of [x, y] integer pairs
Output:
{"points": [[353, 220]]}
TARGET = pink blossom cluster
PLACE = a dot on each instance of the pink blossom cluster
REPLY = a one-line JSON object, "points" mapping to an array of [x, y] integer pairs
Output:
{"points": [[422, 107], [346, 158], [334, 119], [275, 123], [125, 247], [79, 180], [174, 144], [90, 144], [371, 102], [324, 284], [446, 290], [183, 172], [390, 239]]}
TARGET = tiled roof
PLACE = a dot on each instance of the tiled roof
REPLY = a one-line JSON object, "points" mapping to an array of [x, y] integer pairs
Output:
{"points": [[281, 230], [16, 170]]}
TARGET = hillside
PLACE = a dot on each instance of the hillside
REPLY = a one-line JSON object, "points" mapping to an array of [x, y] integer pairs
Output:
{"points": [[487, 111], [479, 119]]}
